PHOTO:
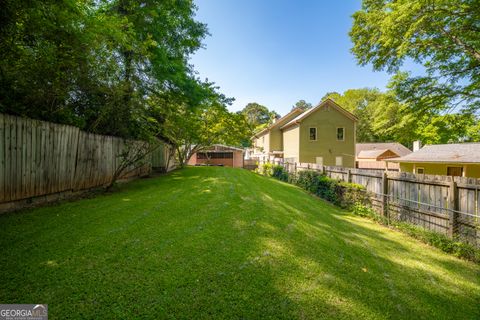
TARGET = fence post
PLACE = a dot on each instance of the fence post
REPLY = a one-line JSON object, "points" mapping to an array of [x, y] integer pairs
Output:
{"points": [[384, 194], [324, 170], [349, 176], [453, 207], [295, 168]]}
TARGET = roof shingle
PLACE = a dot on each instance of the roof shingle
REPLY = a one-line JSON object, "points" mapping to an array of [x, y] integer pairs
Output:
{"points": [[444, 153]]}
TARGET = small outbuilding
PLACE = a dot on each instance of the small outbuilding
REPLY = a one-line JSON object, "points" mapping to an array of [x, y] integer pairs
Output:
{"points": [[218, 155]]}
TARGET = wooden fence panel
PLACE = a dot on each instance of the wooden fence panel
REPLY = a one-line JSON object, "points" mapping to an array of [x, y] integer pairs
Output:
{"points": [[422, 200], [40, 158]]}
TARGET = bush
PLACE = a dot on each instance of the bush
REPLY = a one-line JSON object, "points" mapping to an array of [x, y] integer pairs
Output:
{"points": [[350, 194], [438, 240], [265, 169], [343, 194], [279, 172], [308, 180]]}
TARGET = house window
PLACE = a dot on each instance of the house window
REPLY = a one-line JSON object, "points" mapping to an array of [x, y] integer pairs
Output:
{"points": [[319, 161], [339, 161], [313, 134], [455, 171], [420, 170], [340, 134]]}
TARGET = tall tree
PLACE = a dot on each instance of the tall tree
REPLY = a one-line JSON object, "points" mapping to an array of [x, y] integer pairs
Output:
{"points": [[95, 64], [256, 114], [382, 117], [442, 35], [302, 104]]}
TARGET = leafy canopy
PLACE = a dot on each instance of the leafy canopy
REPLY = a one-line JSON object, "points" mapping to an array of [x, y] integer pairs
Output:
{"points": [[443, 36]]}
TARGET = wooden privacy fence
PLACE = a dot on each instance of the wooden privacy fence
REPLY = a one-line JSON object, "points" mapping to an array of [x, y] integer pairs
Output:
{"points": [[445, 204], [39, 158]]}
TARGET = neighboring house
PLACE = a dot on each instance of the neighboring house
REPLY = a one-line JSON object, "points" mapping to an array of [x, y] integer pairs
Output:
{"points": [[268, 143], [456, 159], [218, 155], [373, 155], [324, 135]]}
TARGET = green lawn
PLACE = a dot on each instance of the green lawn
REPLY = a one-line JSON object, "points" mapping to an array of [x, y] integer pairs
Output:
{"points": [[224, 243]]}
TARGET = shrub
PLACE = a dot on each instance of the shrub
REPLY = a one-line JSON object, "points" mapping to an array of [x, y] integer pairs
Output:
{"points": [[265, 169], [343, 194], [350, 194], [438, 240], [308, 180], [327, 189], [279, 172]]}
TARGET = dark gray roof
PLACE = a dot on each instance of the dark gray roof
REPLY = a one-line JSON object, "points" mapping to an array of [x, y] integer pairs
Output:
{"points": [[444, 153], [396, 147]]}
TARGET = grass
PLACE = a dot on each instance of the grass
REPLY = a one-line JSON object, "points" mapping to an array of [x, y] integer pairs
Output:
{"points": [[215, 242]]}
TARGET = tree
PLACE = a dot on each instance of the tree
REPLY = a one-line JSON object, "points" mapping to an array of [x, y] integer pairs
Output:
{"points": [[363, 104], [256, 114], [302, 104], [190, 129], [382, 117], [443, 36], [95, 64]]}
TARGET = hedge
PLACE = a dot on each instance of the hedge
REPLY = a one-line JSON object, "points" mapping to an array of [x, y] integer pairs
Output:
{"points": [[354, 197]]}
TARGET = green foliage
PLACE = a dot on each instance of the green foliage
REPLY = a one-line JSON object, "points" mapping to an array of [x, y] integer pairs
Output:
{"points": [[258, 114], [232, 244], [99, 65], [343, 194], [382, 117], [279, 172], [442, 36], [257, 118], [452, 246], [302, 104], [308, 180]]}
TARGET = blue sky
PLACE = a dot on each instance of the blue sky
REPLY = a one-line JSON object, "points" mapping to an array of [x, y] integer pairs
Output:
{"points": [[276, 52]]}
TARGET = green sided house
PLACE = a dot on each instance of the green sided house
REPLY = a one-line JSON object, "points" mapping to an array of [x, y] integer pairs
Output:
{"points": [[455, 159], [268, 143], [324, 135]]}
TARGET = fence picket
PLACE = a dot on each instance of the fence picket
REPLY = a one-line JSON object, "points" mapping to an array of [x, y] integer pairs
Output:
{"points": [[421, 200], [41, 158]]}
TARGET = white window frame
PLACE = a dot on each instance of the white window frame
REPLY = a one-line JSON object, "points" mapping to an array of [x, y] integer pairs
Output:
{"points": [[316, 133], [319, 162], [336, 134]]}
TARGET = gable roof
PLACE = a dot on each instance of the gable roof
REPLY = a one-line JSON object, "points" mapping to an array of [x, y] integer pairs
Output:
{"points": [[396, 147], [374, 154], [279, 122], [307, 113], [444, 153]]}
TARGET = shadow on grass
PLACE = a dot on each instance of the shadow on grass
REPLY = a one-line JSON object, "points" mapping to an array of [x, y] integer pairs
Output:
{"points": [[224, 243]]}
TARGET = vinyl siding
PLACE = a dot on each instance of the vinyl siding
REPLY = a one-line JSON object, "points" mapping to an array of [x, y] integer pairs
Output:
{"points": [[470, 170], [291, 137], [327, 120], [260, 143]]}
